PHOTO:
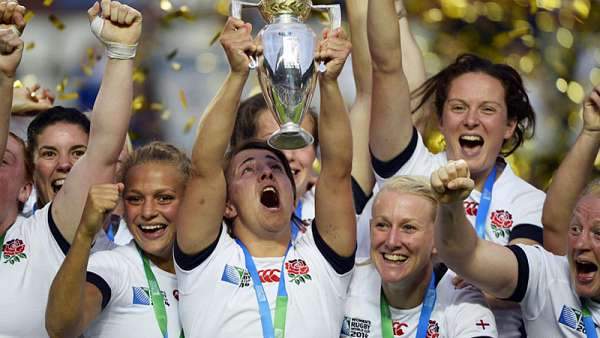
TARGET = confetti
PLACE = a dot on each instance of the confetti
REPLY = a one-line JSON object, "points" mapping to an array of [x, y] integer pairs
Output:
{"points": [[60, 88], [222, 7], [88, 67], [215, 37], [183, 99], [172, 54], [183, 12], [17, 84], [139, 75], [166, 5], [176, 66], [157, 106], [48, 3], [165, 115], [68, 96], [138, 103], [189, 124], [30, 46], [56, 22], [28, 16]]}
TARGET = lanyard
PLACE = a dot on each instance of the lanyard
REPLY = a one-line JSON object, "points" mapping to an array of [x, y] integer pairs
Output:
{"points": [[2, 242], [158, 302], [588, 321], [426, 310], [298, 211], [484, 203], [113, 223], [269, 330]]}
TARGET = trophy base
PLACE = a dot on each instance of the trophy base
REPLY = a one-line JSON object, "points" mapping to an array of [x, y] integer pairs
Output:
{"points": [[290, 139]]}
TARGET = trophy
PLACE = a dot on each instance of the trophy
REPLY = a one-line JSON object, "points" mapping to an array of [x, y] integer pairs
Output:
{"points": [[287, 70]]}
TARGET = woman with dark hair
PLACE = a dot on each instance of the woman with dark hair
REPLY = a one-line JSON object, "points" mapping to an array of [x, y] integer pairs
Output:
{"points": [[484, 115]]}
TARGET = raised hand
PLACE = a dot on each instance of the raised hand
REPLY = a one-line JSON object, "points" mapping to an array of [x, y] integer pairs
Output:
{"points": [[122, 24], [452, 182], [333, 50], [12, 15], [29, 101], [238, 45], [101, 200], [591, 111]]}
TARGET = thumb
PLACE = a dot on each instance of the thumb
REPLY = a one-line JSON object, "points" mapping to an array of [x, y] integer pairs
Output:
{"points": [[120, 187], [93, 11]]}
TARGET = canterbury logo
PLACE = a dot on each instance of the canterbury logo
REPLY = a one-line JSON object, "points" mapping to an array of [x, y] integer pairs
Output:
{"points": [[269, 275]]}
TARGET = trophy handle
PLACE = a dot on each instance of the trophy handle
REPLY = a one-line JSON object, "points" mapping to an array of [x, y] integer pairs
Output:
{"points": [[236, 12], [335, 14], [335, 21]]}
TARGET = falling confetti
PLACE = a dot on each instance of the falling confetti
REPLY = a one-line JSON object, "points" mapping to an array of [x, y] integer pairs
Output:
{"points": [[138, 103], [176, 66], [139, 75], [48, 3], [165, 115], [157, 106], [183, 99], [30, 46], [28, 16], [172, 54], [60, 88], [56, 22], [189, 124], [17, 84], [166, 5], [69, 96]]}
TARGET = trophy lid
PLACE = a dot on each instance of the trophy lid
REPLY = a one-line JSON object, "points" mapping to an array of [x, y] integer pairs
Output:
{"points": [[297, 8]]}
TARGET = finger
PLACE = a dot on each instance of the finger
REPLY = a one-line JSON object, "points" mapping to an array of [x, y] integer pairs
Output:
{"points": [[341, 33], [456, 280], [233, 24], [436, 183], [443, 174], [34, 88], [120, 187], [130, 17], [325, 33], [461, 184], [462, 168], [114, 11], [93, 11], [122, 15], [19, 20], [451, 170], [48, 95], [105, 4], [8, 13]]}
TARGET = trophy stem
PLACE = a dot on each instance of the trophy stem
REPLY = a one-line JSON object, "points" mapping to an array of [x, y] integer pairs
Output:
{"points": [[289, 137]]}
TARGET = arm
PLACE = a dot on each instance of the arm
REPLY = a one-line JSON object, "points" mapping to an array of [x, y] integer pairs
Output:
{"points": [[571, 177], [360, 111], [73, 303], [110, 118], [391, 127], [11, 51], [335, 217], [489, 266], [201, 211], [27, 101]]}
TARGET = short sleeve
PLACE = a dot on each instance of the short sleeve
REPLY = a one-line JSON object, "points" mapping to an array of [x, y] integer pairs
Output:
{"points": [[106, 269]]}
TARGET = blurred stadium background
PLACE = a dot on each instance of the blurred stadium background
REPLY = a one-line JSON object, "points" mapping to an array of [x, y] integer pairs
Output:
{"points": [[555, 45]]}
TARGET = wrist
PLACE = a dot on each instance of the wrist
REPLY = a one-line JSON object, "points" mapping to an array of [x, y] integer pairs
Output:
{"points": [[84, 235], [594, 134]]}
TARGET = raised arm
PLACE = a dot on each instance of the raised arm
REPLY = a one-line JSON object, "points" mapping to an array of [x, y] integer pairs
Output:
{"points": [[571, 177], [487, 265], [391, 126], [11, 51], [73, 303], [335, 217], [360, 111], [110, 117], [201, 211]]}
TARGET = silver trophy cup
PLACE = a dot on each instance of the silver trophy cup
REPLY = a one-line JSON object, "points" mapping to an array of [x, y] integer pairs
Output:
{"points": [[287, 70]]}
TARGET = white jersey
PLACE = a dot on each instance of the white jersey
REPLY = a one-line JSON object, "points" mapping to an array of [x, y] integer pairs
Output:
{"points": [[550, 306], [127, 305], [514, 203], [456, 313], [122, 237], [308, 206], [32, 253], [217, 297]]}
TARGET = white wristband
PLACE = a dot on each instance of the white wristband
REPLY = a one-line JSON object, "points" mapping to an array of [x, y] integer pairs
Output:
{"points": [[114, 50]]}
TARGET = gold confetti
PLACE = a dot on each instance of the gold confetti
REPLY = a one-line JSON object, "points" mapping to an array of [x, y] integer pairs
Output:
{"points": [[88, 67], [189, 124], [183, 12], [17, 84], [176, 66], [172, 54], [56, 22], [28, 16], [30, 46], [48, 3], [183, 99], [222, 7], [139, 75], [138, 103], [165, 115], [60, 88], [69, 96], [166, 5], [87, 70], [157, 106], [215, 37]]}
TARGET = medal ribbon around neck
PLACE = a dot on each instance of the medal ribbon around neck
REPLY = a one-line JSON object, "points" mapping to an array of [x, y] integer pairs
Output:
{"points": [[588, 321], [387, 330], [158, 301], [484, 203], [270, 330]]}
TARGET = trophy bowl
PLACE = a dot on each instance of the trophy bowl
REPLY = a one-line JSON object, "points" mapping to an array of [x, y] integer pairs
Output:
{"points": [[287, 71]]}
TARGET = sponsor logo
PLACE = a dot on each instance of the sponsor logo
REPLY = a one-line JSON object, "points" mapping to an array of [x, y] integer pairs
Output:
{"points": [[501, 223], [13, 251], [269, 275], [141, 296], [398, 328], [355, 327], [297, 270], [433, 330], [236, 275], [471, 208], [572, 318]]}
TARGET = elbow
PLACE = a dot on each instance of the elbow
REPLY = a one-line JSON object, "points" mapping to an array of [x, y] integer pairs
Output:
{"points": [[54, 329], [389, 62]]}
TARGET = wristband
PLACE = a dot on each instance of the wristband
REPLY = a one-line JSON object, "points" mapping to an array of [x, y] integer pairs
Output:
{"points": [[114, 50]]}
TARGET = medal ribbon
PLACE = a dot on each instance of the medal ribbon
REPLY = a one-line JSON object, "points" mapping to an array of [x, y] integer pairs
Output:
{"points": [[298, 211], [2, 242], [484, 203], [588, 321], [269, 330], [158, 302], [426, 310]]}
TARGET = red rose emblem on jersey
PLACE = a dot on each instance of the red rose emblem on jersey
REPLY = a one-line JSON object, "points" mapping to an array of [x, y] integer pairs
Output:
{"points": [[297, 270], [471, 208], [502, 219], [13, 251], [433, 330]]}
